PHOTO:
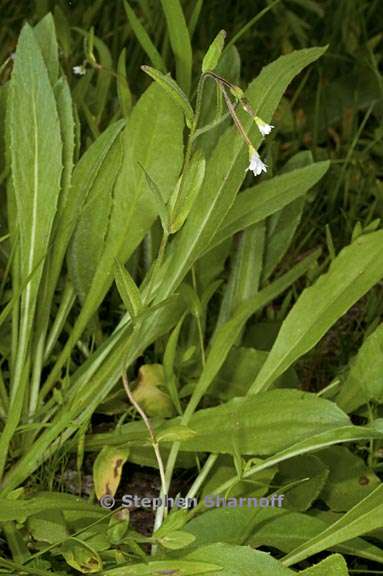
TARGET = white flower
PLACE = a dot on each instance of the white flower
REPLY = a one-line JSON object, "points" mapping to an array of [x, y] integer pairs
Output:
{"points": [[79, 70], [256, 165], [263, 127]]}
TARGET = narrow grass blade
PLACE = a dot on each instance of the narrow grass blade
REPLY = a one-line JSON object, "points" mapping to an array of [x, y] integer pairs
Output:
{"points": [[180, 42], [144, 39]]}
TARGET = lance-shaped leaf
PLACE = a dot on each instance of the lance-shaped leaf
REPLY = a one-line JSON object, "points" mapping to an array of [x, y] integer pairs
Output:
{"points": [[264, 424], [62, 230], [364, 381], [239, 560], [22, 508], [173, 90], [165, 567], [285, 530], [127, 288], [366, 516], [36, 152], [212, 56], [162, 208], [274, 526], [355, 270], [89, 239], [46, 37], [258, 202], [333, 565], [187, 190]]}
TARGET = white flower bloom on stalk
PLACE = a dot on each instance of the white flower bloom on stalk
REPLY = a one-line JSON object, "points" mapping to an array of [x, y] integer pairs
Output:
{"points": [[263, 127], [256, 165], [79, 70]]}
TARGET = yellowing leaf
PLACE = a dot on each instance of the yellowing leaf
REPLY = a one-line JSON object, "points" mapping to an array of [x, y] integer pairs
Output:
{"points": [[148, 393], [107, 470], [81, 556]]}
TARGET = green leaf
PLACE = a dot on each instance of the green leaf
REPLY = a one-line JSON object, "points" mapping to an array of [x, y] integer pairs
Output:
{"points": [[81, 556], [46, 37], [118, 526], [169, 359], [364, 382], [174, 91], [29, 569], [176, 540], [154, 139], [313, 473], [143, 38], [366, 516], [22, 508], [212, 56], [123, 90], [281, 226], [104, 65], [193, 20], [62, 229], [263, 425], [234, 379], [162, 208], [48, 526], [333, 565], [230, 525], [272, 527], [36, 163], [179, 41], [245, 273], [187, 190], [90, 237], [354, 271], [268, 197], [154, 567], [322, 440], [285, 530], [130, 294], [350, 480], [239, 561]]}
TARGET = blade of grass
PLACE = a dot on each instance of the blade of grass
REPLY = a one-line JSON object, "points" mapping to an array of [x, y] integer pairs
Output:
{"points": [[180, 42], [144, 39]]}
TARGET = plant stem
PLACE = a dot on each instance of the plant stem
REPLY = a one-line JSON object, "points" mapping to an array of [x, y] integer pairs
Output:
{"points": [[208, 465], [149, 427]]}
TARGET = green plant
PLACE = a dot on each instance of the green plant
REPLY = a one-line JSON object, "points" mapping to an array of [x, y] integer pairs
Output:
{"points": [[157, 204]]}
